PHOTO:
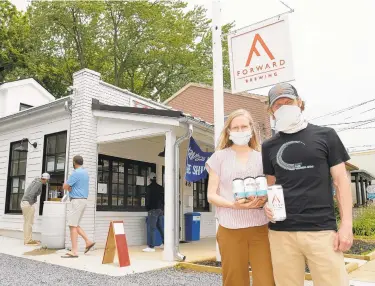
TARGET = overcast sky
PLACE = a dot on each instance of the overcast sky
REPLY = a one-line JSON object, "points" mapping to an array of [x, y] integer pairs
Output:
{"points": [[333, 48]]}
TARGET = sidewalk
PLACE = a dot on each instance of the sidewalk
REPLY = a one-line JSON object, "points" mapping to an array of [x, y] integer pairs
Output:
{"points": [[365, 273], [92, 261]]}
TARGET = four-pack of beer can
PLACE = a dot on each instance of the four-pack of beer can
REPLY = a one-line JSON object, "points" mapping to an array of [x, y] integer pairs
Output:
{"points": [[250, 187]]}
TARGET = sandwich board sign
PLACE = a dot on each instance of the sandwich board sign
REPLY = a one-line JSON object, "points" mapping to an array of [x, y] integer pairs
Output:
{"points": [[260, 55], [116, 243]]}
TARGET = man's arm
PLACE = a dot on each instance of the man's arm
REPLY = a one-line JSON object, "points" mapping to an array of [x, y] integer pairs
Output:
{"points": [[344, 238], [71, 181], [343, 193]]}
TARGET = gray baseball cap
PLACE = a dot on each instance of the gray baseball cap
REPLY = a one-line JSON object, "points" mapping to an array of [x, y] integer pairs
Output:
{"points": [[282, 90]]}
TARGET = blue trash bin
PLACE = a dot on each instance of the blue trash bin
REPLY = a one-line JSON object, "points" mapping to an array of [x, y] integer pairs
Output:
{"points": [[192, 226], [158, 240]]}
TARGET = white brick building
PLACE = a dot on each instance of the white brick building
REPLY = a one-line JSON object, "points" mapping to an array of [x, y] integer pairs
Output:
{"points": [[119, 142]]}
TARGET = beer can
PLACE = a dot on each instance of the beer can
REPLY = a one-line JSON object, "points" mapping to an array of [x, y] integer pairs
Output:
{"points": [[238, 188], [261, 183], [250, 187], [276, 202]]}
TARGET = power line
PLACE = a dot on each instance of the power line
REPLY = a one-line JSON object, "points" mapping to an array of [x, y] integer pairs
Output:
{"points": [[354, 122], [370, 121], [344, 109]]}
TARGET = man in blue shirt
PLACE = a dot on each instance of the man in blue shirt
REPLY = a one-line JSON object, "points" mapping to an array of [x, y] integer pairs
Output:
{"points": [[78, 186]]}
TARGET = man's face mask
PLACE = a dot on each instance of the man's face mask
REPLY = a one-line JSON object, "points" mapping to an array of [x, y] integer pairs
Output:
{"points": [[287, 116]]}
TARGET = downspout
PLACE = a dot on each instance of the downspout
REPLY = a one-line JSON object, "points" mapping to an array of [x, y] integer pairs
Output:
{"points": [[179, 256], [68, 108]]}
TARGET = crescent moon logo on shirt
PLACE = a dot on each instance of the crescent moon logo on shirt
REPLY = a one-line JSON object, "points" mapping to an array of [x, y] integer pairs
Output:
{"points": [[288, 166]]}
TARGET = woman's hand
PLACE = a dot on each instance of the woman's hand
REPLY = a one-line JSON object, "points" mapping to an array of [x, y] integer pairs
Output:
{"points": [[244, 204]]}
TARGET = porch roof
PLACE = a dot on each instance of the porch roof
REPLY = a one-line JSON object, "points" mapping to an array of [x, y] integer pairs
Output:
{"points": [[364, 174], [170, 113]]}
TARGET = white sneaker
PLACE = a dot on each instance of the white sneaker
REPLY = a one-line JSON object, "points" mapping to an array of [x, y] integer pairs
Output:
{"points": [[148, 249], [161, 246]]}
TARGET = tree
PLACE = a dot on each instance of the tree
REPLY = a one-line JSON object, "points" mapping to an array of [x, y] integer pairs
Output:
{"points": [[152, 48], [14, 32]]}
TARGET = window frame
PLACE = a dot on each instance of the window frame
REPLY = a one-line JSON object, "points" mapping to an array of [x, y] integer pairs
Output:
{"points": [[45, 163], [24, 106], [196, 199], [127, 163], [10, 178]]}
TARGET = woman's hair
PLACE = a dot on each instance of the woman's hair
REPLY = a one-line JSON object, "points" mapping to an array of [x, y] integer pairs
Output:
{"points": [[225, 142]]}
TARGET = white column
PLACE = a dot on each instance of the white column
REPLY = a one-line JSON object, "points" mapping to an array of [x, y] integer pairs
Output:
{"points": [[169, 195], [217, 54]]}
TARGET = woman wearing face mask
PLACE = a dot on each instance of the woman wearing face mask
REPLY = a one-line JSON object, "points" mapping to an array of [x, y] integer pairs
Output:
{"points": [[243, 232]]}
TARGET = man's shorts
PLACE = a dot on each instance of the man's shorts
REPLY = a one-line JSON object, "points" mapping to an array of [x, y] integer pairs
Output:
{"points": [[76, 211]]}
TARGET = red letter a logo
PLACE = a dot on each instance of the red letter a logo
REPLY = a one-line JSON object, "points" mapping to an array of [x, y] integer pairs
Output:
{"points": [[253, 49]]}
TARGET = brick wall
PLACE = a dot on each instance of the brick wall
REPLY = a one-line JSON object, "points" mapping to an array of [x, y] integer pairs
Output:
{"points": [[198, 101]]}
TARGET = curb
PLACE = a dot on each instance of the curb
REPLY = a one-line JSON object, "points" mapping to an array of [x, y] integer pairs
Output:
{"points": [[368, 257], [350, 267]]}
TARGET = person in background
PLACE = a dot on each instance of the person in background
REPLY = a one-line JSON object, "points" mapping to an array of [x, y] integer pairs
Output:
{"points": [[243, 226], [78, 186], [155, 208], [304, 158], [28, 207]]}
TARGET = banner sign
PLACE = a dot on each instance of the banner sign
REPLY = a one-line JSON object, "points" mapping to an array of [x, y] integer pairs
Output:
{"points": [[195, 162], [260, 55]]}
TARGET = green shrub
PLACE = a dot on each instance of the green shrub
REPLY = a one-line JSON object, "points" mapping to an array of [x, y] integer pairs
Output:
{"points": [[364, 223]]}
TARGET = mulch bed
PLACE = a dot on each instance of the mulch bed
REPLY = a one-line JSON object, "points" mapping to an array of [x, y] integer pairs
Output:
{"points": [[362, 247]]}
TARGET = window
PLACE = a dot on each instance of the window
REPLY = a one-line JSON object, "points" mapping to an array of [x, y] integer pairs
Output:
{"points": [[122, 184], [200, 195], [25, 106], [55, 152], [54, 160], [16, 177]]}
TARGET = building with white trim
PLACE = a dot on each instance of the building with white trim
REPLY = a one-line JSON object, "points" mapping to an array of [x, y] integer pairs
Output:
{"points": [[120, 135]]}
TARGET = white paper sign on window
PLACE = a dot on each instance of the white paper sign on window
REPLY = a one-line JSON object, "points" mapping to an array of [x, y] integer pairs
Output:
{"points": [[102, 188], [143, 202], [140, 181]]}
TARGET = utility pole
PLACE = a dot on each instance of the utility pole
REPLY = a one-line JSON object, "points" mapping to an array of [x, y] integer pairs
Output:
{"points": [[218, 83]]}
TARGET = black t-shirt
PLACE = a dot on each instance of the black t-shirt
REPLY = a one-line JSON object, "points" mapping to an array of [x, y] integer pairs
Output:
{"points": [[154, 196], [301, 163]]}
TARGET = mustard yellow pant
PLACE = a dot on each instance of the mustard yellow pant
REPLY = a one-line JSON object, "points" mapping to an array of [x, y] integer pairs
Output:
{"points": [[238, 248]]}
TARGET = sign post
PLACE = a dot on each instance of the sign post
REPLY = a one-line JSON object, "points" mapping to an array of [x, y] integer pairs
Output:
{"points": [[217, 59], [116, 241]]}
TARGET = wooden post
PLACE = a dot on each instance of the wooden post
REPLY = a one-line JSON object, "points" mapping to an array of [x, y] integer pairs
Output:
{"points": [[362, 191], [357, 189]]}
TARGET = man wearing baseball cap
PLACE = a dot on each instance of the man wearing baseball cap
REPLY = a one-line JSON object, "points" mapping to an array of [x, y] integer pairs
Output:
{"points": [[28, 207], [304, 159], [155, 208]]}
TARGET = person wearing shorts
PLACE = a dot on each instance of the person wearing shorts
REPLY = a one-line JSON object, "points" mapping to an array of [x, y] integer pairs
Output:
{"points": [[78, 186]]}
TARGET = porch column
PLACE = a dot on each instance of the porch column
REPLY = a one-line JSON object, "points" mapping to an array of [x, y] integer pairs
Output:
{"points": [[357, 189], [169, 198], [362, 192], [366, 185]]}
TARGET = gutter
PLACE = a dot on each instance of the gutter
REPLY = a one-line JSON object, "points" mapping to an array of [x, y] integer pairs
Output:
{"points": [[178, 142], [34, 109]]}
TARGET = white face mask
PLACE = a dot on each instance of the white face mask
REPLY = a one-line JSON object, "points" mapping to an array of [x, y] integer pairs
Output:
{"points": [[240, 138], [289, 119]]}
